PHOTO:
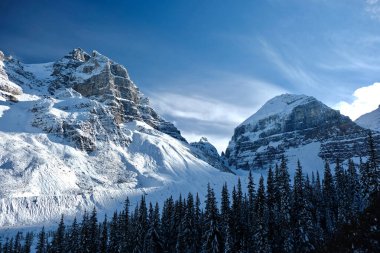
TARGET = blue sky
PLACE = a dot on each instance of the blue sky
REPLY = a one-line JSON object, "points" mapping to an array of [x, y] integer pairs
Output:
{"points": [[208, 65]]}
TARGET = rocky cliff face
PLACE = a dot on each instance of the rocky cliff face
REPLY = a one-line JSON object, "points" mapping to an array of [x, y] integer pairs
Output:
{"points": [[91, 84], [207, 152], [288, 122]]}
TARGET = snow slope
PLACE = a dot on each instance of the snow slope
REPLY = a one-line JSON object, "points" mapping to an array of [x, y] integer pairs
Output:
{"points": [[77, 133], [370, 120]]}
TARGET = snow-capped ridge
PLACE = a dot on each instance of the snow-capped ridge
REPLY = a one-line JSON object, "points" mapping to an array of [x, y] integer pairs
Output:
{"points": [[280, 106], [370, 120], [289, 124]]}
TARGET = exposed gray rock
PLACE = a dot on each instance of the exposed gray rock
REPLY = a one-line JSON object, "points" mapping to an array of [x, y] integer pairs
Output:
{"points": [[103, 80], [207, 152], [291, 121]]}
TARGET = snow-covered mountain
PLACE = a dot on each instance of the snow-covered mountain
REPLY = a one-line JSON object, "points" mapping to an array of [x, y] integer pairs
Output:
{"points": [[370, 120], [78, 133], [299, 127]]}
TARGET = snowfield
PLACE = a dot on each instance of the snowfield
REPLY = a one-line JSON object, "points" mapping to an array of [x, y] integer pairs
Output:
{"points": [[44, 173]]}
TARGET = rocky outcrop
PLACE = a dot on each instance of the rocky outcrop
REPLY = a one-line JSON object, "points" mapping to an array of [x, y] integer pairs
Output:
{"points": [[99, 97], [292, 121], [8, 89], [207, 152], [99, 78]]}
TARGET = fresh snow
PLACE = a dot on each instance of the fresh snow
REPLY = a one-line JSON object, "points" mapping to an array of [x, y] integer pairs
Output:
{"points": [[370, 120], [43, 175], [280, 106]]}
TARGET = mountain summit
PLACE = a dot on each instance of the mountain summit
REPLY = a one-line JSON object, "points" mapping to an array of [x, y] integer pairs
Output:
{"points": [[299, 127]]}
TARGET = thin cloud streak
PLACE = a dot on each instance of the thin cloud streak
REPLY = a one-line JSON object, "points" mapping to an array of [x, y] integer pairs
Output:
{"points": [[225, 102]]}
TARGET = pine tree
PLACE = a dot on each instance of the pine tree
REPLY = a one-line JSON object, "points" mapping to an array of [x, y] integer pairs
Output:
{"points": [[28, 242], [168, 227], [353, 192], [73, 244], [17, 243], [251, 221], [340, 191], [198, 224], [188, 225], [329, 201], [301, 218], [373, 167], [225, 212], [271, 205], [261, 229], [41, 243], [93, 233], [103, 248], [284, 209], [114, 236], [213, 242], [152, 240], [58, 243], [85, 242], [125, 243]]}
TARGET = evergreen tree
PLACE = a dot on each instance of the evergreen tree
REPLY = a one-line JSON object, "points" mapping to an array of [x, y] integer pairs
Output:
{"points": [[373, 167], [17, 243], [284, 209], [271, 205], [168, 227], [225, 213], [340, 191], [125, 243], [93, 232], [114, 237], [301, 219], [85, 242], [103, 248], [353, 192], [72, 242], [213, 242], [41, 243], [188, 225], [329, 200], [198, 223], [152, 240], [261, 229], [251, 219], [58, 243], [28, 242]]}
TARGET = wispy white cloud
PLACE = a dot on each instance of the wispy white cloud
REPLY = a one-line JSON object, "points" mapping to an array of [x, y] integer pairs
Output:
{"points": [[215, 106], [199, 108], [293, 71], [373, 8], [365, 99], [349, 53]]}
